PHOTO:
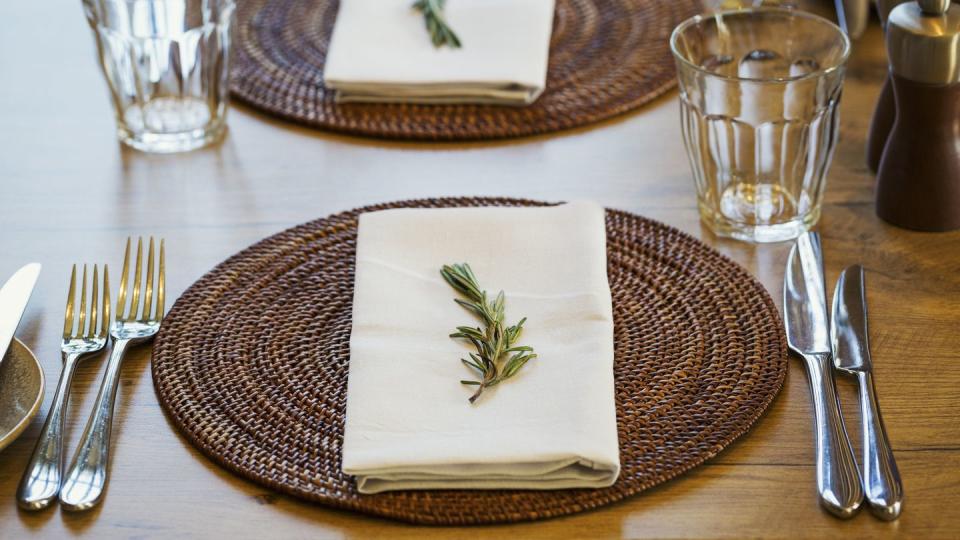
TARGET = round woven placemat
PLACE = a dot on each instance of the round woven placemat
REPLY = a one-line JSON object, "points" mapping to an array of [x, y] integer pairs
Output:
{"points": [[607, 57], [251, 365]]}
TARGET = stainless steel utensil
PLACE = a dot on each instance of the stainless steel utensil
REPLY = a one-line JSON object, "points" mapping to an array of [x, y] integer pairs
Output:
{"points": [[842, 15], [41, 479], [856, 16], [851, 350], [14, 296], [808, 335], [86, 479]]}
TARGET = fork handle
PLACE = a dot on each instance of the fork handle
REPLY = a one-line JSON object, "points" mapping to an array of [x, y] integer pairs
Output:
{"points": [[41, 479], [880, 475], [86, 478], [838, 479]]}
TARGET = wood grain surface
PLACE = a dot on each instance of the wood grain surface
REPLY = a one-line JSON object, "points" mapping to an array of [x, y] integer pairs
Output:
{"points": [[69, 194]]}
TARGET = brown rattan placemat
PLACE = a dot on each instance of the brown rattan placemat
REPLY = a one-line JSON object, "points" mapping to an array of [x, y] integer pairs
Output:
{"points": [[251, 365], [607, 57]]}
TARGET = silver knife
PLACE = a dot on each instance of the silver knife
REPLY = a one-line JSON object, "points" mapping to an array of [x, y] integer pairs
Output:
{"points": [[842, 16], [808, 335], [13, 302], [851, 349]]}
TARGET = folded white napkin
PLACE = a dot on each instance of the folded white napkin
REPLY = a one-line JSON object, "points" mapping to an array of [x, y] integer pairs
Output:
{"points": [[380, 50], [409, 424]]}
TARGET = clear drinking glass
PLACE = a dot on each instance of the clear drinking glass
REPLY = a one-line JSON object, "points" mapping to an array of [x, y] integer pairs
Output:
{"points": [[166, 63], [759, 90]]}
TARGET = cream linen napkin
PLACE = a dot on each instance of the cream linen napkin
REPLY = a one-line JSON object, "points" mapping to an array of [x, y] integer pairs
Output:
{"points": [[408, 422], [381, 51]]}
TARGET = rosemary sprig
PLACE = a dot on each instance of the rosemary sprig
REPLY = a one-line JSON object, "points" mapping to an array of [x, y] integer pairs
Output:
{"points": [[497, 358], [440, 32]]}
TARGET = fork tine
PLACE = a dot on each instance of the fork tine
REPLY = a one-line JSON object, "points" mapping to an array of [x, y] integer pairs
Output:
{"points": [[105, 325], [138, 279], [94, 297], [148, 291], [68, 316], [122, 295], [83, 304], [160, 285]]}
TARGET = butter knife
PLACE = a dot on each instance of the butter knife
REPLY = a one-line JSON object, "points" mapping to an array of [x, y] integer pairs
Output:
{"points": [[14, 296], [851, 349], [808, 335]]}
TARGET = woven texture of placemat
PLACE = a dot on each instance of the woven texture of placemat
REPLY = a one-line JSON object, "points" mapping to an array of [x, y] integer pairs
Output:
{"points": [[607, 57], [251, 365]]}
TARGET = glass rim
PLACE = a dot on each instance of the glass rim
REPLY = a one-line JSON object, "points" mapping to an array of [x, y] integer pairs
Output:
{"points": [[699, 18]]}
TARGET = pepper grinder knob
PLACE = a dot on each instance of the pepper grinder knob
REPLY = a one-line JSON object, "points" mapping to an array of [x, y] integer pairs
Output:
{"points": [[923, 41], [884, 7], [934, 7]]}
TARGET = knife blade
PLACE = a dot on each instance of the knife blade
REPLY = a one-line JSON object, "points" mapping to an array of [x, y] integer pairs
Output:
{"points": [[804, 299], [808, 335], [851, 346], [851, 343], [841, 16], [14, 296]]}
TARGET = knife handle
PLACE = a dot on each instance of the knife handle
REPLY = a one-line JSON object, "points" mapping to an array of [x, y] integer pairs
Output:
{"points": [[838, 480], [882, 483]]}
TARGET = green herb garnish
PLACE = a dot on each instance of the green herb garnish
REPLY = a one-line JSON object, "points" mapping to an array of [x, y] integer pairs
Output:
{"points": [[496, 359], [440, 32]]}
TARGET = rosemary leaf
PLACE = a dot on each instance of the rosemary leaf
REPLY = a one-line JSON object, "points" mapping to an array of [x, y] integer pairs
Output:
{"points": [[470, 364], [440, 32], [497, 358]]}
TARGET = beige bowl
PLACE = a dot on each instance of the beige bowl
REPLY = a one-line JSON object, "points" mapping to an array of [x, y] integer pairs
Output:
{"points": [[21, 391]]}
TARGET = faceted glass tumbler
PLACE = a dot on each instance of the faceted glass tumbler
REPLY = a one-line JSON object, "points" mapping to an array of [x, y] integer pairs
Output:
{"points": [[759, 90], [166, 63]]}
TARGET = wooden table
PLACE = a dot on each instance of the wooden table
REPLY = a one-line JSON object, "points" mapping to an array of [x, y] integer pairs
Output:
{"points": [[71, 194]]}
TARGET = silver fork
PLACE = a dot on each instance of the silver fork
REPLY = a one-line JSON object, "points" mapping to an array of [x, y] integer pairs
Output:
{"points": [[41, 480], [86, 478]]}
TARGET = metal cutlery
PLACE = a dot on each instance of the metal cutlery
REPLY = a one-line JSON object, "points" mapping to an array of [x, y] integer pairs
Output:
{"points": [[851, 348], [853, 16], [841, 16], [84, 333], [14, 296], [808, 335], [87, 476]]}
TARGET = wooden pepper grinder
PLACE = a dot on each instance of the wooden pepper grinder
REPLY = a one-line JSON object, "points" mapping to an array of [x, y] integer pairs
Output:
{"points": [[886, 110], [918, 183]]}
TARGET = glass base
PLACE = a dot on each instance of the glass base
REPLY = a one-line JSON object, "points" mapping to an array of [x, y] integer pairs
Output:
{"points": [[766, 233], [166, 143]]}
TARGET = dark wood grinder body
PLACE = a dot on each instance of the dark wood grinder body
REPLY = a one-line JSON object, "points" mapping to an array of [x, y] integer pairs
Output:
{"points": [[880, 126], [886, 111], [918, 183]]}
